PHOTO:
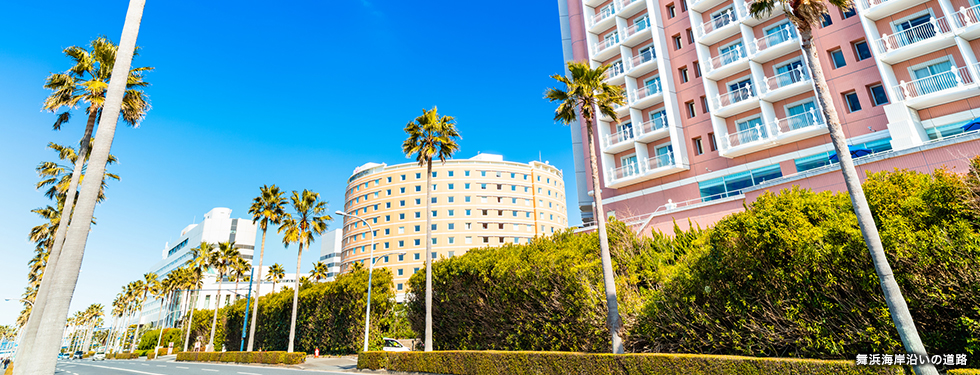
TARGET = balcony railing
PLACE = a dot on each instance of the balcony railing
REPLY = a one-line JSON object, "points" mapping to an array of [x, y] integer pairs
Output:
{"points": [[625, 135], [784, 34], [742, 137], [659, 161], [732, 97], [800, 121], [716, 23], [795, 75], [955, 77], [606, 44], [645, 91], [935, 27], [625, 3], [653, 125], [870, 3], [603, 14], [628, 170], [727, 58], [643, 57], [615, 70], [637, 27], [968, 16]]}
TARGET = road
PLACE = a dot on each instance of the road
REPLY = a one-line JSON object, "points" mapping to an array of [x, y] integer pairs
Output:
{"points": [[143, 367]]}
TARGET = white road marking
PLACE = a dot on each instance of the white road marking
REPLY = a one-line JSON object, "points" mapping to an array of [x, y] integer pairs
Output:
{"points": [[127, 370], [247, 373], [161, 366], [206, 369], [182, 368]]}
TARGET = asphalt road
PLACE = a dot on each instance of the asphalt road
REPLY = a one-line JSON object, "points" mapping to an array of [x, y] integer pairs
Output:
{"points": [[143, 367]]}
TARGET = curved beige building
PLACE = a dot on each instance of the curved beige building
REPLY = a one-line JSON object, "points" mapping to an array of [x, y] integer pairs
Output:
{"points": [[482, 201]]}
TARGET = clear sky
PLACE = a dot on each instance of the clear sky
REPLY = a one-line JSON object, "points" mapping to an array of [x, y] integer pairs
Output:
{"points": [[247, 93]]}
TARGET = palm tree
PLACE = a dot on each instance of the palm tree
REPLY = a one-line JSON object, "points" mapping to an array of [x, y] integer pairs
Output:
{"points": [[320, 271], [239, 270], [587, 92], [267, 208], [168, 286], [276, 274], [805, 15], [149, 285], [93, 318], [430, 136], [199, 263], [221, 262], [56, 292], [310, 220]]}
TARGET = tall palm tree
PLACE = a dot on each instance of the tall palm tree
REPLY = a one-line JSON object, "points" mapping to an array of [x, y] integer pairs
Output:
{"points": [[57, 177], [168, 285], [276, 273], [309, 220], [320, 271], [149, 285], [586, 91], [430, 136], [267, 208], [806, 15], [200, 261], [56, 292], [221, 262], [93, 318]]}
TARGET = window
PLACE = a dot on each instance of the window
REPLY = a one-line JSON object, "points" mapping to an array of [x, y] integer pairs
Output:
{"points": [[451, 199], [468, 240], [418, 242], [452, 240], [403, 177], [853, 103], [848, 13], [690, 109], [468, 212], [434, 213], [418, 228], [418, 214], [671, 12], [387, 204], [434, 241], [677, 42], [451, 186], [466, 173], [483, 199], [417, 256], [683, 74], [733, 184], [878, 96], [486, 239], [401, 190], [483, 173], [388, 192], [400, 271], [698, 150], [861, 50], [704, 104], [469, 226], [418, 187], [401, 216], [837, 56], [418, 176], [683, 6], [400, 285], [401, 203], [690, 36], [434, 199], [389, 180], [402, 244], [434, 174], [451, 226], [452, 212], [466, 186], [697, 69], [401, 230], [450, 173], [826, 20], [466, 199]]}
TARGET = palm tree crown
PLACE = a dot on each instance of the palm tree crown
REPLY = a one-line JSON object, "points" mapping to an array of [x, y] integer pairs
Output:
{"points": [[431, 137], [586, 90]]}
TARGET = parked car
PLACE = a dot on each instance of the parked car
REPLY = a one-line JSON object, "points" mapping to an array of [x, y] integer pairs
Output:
{"points": [[78, 354], [392, 345], [99, 356]]}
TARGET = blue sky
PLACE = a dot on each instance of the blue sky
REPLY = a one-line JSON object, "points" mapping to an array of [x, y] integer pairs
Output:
{"points": [[248, 93]]}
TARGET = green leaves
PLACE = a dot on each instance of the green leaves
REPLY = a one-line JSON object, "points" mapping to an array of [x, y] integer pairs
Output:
{"points": [[430, 137]]}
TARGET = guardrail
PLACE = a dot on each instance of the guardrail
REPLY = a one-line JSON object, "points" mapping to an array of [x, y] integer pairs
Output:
{"points": [[955, 77], [935, 27]]}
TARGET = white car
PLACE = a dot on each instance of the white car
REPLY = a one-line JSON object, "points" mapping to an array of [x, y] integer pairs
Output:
{"points": [[392, 345], [100, 356]]}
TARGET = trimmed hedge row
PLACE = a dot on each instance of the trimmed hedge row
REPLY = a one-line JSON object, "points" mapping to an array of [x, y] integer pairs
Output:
{"points": [[163, 351], [547, 363], [963, 371], [124, 356], [244, 357]]}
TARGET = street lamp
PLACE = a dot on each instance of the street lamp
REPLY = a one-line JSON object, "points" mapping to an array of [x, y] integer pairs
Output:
{"points": [[371, 261]]}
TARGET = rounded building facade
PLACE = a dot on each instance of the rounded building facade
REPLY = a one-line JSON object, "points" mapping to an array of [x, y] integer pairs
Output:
{"points": [[477, 202]]}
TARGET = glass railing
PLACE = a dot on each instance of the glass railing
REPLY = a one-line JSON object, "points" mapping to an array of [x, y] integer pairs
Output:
{"points": [[732, 97], [653, 125], [648, 90], [643, 57], [625, 135], [904, 38], [637, 27], [955, 77], [603, 14], [626, 171], [783, 35], [742, 137], [659, 161], [606, 44], [716, 23], [795, 75], [727, 58], [800, 121]]}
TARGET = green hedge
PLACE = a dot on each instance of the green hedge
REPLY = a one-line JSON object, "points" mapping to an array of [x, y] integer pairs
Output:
{"points": [[163, 351], [244, 357], [963, 371], [125, 356], [547, 363], [150, 355]]}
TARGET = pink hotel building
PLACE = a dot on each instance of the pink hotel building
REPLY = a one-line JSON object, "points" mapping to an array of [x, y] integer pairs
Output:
{"points": [[721, 108]]}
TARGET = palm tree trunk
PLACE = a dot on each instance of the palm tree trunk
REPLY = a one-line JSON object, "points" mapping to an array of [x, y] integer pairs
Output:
{"points": [[214, 321], [612, 318], [258, 286], [893, 294], [59, 238], [190, 320], [138, 320], [47, 343], [428, 256], [292, 323], [160, 323]]}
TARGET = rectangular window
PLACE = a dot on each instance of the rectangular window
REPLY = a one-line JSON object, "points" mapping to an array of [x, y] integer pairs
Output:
{"points": [[683, 74], [401, 216], [878, 96], [401, 190], [403, 177], [677, 42], [697, 70], [826, 20], [861, 50], [434, 213], [418, 201], [837, 56], [400, 271], [401, 203], [418, 242], [468, 212], [466, 199], [704, 104], [671, 12], [468, 240], [401, 243], [466, 186], [418, 176], [400, 285], [690, 36], [451, 199], [387, 204], [698, 150], [418, 228], [450, 173], [452, 240], [434, 199], [452, 212], [451, 186], [451, 226], [418, 187], [853, 103], [434, 241], [418, 214], [401, 230], [483, 173], [690, 109], [466, 173], [434, 174], [848, 13], [417, 256], [389, 180]]}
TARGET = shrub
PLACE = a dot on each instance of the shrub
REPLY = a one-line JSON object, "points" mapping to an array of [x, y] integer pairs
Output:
{"points": [[125, 356], [963, 371], [547, 363], [163, 351], [244, 357], [175, 335], [150, 354]]}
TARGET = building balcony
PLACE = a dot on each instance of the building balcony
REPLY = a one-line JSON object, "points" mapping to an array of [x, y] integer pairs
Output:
{"points": [[968, 19], [603, 19], [618, 142], [775, 45], [629, 8], [616, 74], [702, 6], [749, 140], [652, 130], [753, 21], [719, 28], [654, 167], [734, 102], [786, 85], [641, 64], [783, 131], [956, 84], [621, 111], [647, 95], [915, 42], [636, 34], [878, 9], [605, 49], [726, 64]]}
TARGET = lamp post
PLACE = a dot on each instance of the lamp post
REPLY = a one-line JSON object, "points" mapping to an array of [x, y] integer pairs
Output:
{"points": [[248, 301], [371, 261]]}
